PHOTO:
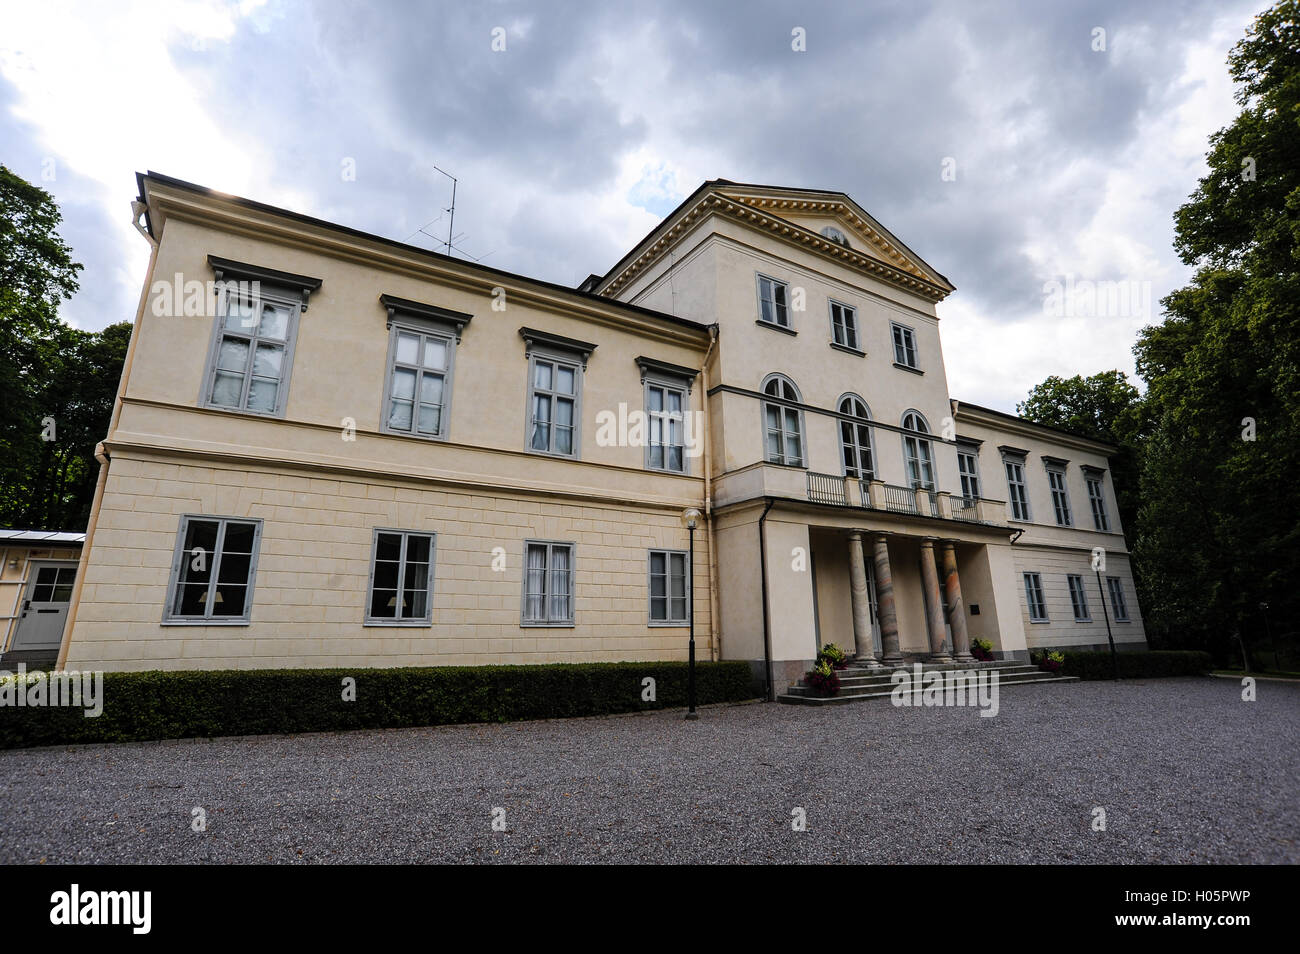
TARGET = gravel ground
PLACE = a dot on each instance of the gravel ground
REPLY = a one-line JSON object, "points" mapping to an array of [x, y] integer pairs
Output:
{"points": [[1185, 771]]}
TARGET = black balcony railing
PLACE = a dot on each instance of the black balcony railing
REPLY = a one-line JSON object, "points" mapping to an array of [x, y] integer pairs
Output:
{"points": [[965, 508], [900, 499], [827, 489]]}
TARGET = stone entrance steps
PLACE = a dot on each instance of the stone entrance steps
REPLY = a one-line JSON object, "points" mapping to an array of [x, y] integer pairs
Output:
{"points": [[858, 683]]}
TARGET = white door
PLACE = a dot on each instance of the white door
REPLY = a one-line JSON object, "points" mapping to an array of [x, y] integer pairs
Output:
{"points": [[45, 610]]}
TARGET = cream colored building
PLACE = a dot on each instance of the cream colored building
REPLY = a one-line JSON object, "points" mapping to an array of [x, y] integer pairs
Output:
{"points": [[331, 449]]}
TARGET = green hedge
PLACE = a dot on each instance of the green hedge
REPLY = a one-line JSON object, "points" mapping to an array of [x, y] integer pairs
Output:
{"points": [[139, 706], [1137, 665]]}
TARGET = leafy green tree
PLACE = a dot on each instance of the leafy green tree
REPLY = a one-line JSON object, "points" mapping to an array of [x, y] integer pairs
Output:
{"points": [[1219, 524]]}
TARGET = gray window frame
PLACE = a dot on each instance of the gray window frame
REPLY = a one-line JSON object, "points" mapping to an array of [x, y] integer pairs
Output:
{"points": [[788, 324], [668, 599], [1078, 598], [265, 294], [426, 328], [969, 479], [423, 621], [1012, 483], [555, 356], [783, 407], [870, 473], [1115, 586], [1060, 496], [909, 336], [1037, 579], [666, 383], [179, 554], [549, 623], [921, 437], [850, 319], [1095, 483]]}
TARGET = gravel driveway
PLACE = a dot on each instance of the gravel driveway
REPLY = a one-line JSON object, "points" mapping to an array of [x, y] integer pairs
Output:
{"points": [[1185, 771]]}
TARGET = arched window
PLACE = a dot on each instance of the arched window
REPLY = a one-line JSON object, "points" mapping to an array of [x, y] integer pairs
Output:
{"points": [[855, 439], [917, 451], [782, 424]]}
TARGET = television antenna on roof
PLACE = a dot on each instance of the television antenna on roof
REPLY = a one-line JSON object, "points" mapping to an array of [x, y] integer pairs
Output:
{"points": [[448, 244]]}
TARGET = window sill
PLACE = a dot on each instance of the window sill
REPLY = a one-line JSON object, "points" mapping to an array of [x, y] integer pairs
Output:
{"points": [[529, 625], [847, 350], [908, 367], [776, 463], [397, 624], [555, 454], [206, 622], [673, 624], [1040, 622], [775, 327], [422, 437]]}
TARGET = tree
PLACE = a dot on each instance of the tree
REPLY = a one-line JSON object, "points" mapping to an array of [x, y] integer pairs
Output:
{"points": [[1219, 523], [1104, 407], [58, 383]]}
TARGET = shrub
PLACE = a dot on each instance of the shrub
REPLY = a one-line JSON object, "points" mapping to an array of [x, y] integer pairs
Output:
{"points": [[1138, 665], [982, 649], [822, 679], [832, 654], [140, 706], [1051, 662]]}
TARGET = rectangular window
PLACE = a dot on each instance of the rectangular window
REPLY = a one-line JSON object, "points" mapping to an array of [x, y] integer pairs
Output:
{"points": [[1016, 492], [401, 578], [968, 468], [1078, 598], [1117, 603], [904, 346], [669, 603], [1060, 496], [844, 326], [249, 365], [666, 415], [1097, 499], [1034, 598], [418, 399], [213, 570], [548, 583], [772, 302], [553, 404]]}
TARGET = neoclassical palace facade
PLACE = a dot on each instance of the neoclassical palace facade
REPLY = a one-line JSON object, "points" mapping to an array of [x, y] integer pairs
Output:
{"points": [[332, 449]]}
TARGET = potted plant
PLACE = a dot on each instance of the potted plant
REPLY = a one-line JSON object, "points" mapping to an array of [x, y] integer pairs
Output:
{"points": [[832, 654], [982, 649], [822, 679], [1051, 662]]}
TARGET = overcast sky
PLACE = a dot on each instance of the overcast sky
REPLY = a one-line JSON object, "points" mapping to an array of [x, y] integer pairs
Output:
{"points": [[597, 119]]}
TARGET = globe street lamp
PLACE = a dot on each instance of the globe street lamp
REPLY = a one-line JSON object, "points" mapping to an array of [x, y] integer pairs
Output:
{"points": [[691, 517]]}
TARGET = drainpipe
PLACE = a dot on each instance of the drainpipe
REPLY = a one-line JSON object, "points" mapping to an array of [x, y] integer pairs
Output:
{"points": [[101, 452], [767, 625], [715, 642]]}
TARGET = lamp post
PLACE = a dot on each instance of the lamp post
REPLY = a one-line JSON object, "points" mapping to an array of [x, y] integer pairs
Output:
{"points": [[1114, 662], [690, 517]]}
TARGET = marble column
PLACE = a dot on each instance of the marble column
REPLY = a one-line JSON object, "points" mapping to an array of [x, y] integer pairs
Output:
{"points": [[862, 642], [885, 612], [933, 603], [956, 608]]}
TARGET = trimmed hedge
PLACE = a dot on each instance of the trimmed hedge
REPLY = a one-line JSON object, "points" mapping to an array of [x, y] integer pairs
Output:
{"points": [[1137, 665], [140, 706]]}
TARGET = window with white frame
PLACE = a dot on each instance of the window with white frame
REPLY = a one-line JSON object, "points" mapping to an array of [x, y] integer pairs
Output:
{"points": [[212, 570], [773, 302], [1117, 603], [844, 326], [401, 577], [1097, 500], [1060, 496], [1078, 598], [969, 471], [418, 400], [669, 583], [548, 583], [251, 351], [855, 439], [918, 453], [1034, 598], [553, 403], [666, 408], [782, 424], [1017, 492], [904, 346]]}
